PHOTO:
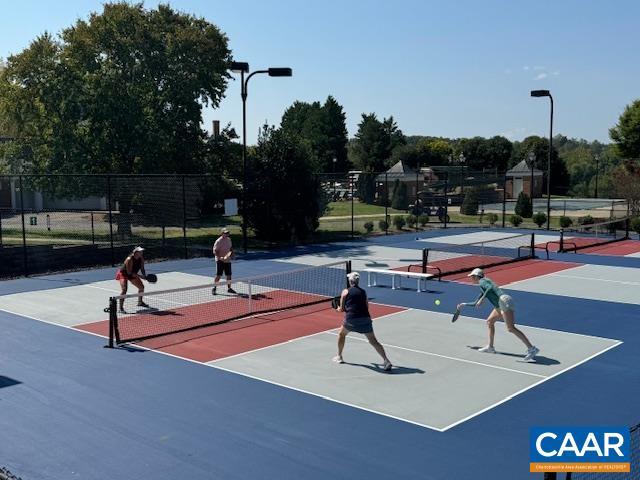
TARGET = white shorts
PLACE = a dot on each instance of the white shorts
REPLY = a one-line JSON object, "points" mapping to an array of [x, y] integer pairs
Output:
{"points": [[506, 303]]}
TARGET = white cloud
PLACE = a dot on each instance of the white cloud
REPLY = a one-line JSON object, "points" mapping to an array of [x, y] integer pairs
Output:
{"points": [[540, 76], [525, 67]]}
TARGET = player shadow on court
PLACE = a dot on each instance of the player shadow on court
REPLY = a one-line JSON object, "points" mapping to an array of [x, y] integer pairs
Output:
{"points": [[378, 367], [8, 382], [539, 360]]}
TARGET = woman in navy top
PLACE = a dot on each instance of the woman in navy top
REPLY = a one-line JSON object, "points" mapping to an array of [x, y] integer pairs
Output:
{"points": [[353, 301]]}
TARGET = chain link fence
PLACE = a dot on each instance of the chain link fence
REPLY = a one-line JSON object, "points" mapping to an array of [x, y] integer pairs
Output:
{"points": [[62, 222]]}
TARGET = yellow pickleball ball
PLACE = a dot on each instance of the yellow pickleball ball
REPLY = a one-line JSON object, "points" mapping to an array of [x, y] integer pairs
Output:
{"points": [[437, 302]]}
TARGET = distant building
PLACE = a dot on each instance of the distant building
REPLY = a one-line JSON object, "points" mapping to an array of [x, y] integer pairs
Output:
{"points": [[519, 180], [415, 181]]}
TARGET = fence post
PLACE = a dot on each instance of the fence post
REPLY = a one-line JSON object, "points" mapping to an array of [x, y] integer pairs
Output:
{"points": [[352, 208], [446, 199], [0, 228], [24, 230], [386, 203], [504, 198], [113, 259], [93, 232], [184, 218]]}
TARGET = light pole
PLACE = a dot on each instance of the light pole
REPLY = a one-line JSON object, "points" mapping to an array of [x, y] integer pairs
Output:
{"points": [[242, 68], [597, 158], [546, 93], [461, 160]]}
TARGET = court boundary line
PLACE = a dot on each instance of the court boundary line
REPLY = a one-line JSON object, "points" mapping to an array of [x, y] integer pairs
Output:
{"points": [[463, 360], [519, 392]]}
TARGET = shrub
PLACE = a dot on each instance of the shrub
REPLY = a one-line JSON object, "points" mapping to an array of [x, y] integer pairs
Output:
{"points": [[423, 220], [492, 218], [635, 225], [523, 206], [471, 202], [368, 226], [412, 220], [399, 222], [566, 222], [515, 220], [400, 200], [383, 225], [539, 219], [586, 220]]}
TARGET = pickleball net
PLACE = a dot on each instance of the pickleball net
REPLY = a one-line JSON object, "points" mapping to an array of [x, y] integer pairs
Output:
{"points": [[594, 235], [182, 309], [451, 259]]}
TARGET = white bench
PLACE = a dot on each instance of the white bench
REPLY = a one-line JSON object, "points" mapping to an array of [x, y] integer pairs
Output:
{"points": [[372, 276]]}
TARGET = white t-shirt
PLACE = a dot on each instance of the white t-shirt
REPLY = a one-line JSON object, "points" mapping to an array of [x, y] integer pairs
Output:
{"points": [[222, 247]]}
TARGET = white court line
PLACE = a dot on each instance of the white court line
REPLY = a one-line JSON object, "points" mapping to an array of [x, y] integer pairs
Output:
{"points": [[507, 285], [291, 340], [529, 387], [598, 279], [457, 359]]}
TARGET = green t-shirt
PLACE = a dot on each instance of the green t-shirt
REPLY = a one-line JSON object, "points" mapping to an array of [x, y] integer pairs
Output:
{"points": [[491, 291]]}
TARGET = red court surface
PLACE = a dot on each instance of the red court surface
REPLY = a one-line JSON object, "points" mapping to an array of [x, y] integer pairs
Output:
{"points": [[218, 341], [518, 271], [624, 247]]}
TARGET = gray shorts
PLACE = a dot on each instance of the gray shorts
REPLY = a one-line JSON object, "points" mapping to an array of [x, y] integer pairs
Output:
{"points": [[505, 303], [359, 325]]}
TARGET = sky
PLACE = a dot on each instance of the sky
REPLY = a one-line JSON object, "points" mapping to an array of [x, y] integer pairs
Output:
{"points": [[451, 69]]}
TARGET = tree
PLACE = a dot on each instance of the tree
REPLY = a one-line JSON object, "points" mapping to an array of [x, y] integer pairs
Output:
{"points": [[284, 198], [626, 178], [471, 202], [523, 206], [626, 133], [374, 143], [121, 92], [400, 200], [323, 128]]}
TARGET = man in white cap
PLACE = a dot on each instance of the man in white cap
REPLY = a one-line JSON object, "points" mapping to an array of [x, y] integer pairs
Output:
{"points": [[503, 309], [223, 252]]}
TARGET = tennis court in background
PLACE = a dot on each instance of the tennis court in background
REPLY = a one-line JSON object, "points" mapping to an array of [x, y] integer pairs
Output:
{"points": [[264, 385]]}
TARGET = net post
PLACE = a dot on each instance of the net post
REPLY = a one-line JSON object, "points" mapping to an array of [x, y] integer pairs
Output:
{"points": [[425, 254], [113, 319], [532, 253], [250, 297], [627, 223], [348, 268], [561, 241]]}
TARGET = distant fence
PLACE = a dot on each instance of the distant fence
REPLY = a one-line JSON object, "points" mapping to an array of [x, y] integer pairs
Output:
{"points": [[62, 222], [58, 222]]}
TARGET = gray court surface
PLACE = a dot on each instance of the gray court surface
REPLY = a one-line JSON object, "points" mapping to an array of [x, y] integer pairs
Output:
{"points": [[370, 256], [595, 282], [439, 380], [78, 304]]}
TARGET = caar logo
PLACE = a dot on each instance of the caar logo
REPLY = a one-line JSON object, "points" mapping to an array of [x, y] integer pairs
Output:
{"points": [[579, 449]]}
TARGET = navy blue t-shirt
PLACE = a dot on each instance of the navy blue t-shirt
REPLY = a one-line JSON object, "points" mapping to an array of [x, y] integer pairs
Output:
{"points": [[355, 305]]}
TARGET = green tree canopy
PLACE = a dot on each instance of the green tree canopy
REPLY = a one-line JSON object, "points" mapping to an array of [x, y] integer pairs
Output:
{"points": [[375, 142], [284, 198], [626, 133], [323, 128], [120, 92]]}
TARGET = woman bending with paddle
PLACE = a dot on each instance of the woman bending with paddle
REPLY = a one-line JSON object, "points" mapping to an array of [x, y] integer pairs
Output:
{"points": [[133, 264]]}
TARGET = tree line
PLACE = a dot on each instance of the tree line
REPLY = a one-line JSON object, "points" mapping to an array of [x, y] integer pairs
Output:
{"points": [[123, 91]]}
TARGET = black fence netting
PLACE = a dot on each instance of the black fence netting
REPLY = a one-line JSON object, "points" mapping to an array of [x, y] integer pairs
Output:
{"points": [[60, 222]]}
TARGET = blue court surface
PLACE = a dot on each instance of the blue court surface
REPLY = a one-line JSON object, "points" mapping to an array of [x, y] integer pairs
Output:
{"points": [[265, 401]]}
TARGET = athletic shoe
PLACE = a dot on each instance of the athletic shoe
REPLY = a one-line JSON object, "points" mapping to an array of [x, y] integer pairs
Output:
{"points": [[487, 349], [338, 359], [531, 354], [121, 310], [387, 365], [142, 304], [231, 290], [214, 290]]}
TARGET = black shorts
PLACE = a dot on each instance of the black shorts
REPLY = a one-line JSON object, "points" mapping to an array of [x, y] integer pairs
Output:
{"points": [[223, 267]]}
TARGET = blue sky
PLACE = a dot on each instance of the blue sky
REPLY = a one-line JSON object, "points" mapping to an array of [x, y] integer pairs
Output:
{"points": [[454, 69]]}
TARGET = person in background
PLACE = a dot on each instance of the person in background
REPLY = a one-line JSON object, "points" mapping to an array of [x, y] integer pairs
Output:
{"points": [[223, 253], [133, 264]]}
